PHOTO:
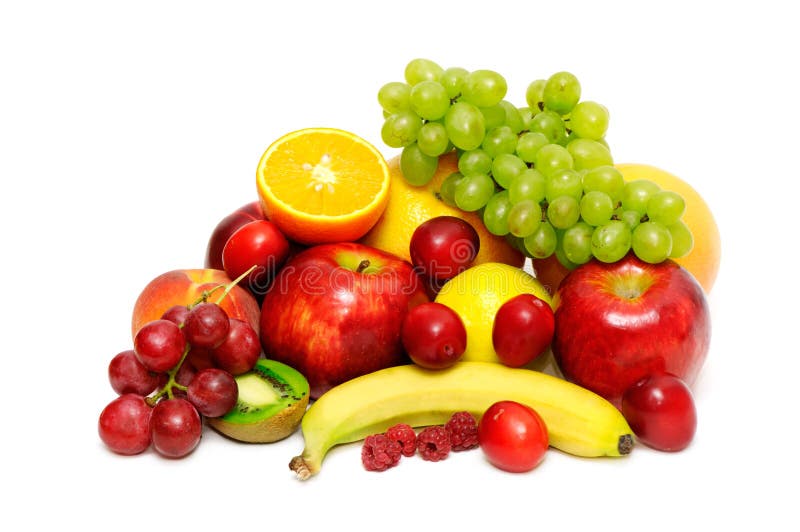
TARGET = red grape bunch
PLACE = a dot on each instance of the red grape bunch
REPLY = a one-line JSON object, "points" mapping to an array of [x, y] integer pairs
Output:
{"points": [[180, 370]]}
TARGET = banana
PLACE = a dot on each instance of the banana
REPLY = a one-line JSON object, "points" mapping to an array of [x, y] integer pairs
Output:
{"points": [[579, 422]]}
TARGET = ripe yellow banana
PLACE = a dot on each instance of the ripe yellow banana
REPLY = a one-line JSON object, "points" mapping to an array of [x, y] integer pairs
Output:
{"points": [[579, 421]]}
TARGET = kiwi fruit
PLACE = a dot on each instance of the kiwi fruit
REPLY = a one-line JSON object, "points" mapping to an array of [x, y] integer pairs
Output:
{"points": [[272, 400]]}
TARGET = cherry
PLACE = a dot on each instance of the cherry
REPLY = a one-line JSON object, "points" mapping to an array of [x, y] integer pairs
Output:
{"points": [[661, 412], [523, 329], [260, 244], [433, 335], [226, 227], [443, 246], [513, 436]]}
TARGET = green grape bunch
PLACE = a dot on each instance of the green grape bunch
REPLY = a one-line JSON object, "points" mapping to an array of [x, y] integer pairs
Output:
{"points": [[541, 175]]}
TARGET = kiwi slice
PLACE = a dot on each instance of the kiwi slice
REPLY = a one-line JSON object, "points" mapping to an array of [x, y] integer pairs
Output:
{"points": [[272, 400]]}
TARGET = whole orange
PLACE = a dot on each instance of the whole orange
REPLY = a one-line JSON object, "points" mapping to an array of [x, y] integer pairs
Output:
{"points": [[409, 206]]}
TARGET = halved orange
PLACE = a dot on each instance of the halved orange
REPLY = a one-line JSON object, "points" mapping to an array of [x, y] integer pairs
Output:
{"points": [[322, 185]]}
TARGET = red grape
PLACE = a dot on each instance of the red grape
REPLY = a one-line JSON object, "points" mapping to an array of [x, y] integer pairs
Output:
{"points": [[240, 350], [175, 427], [206, 325], [226, 227], [433, 335], [124, 424], [128, 375], [523, 329], [259, 244], [159, 345], [213, 392], [513, 436], [443, 246], [176, 314], [660, 410]]}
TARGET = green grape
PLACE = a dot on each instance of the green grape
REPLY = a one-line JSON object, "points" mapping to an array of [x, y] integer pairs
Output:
{"points": [[465, 125], [563, 212], [499, 140], [596, 207], [474, 162], [553, 158], [562, 258], [589, 120], [550, 125], [506, 167], [473, 192], [494, 116], [652, 242], [611, 241], [422, 70], [484, 88], [523, 218], [632, 218], [534, 95], [561, 92], [576, 242], [529, 144], [393, 97], [429, 100], [495, 214], [513, 118], [417, 168], [636, 195], [432, 139], [542, 242], [682, 240], [447, 190], [605, 179], [452, 79], [526, 115], [588, 154], [529, 185], [401, 129], [563, 183], [666, 207]]}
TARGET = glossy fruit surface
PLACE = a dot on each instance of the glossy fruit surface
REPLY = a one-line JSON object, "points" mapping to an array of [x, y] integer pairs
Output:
{"points": [[127, 375], [124, 424], [409, 206], [661, 411], [240, 350], [523, 329], [175, 427], [433, 336], [512, 436], [206, 325], [212, 391], [247, 213], [260, 244], [322, 185], [159, 345], [443, 247]]}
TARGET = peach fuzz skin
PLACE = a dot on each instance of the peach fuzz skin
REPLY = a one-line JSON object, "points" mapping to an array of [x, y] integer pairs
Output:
{"points": [[184, 287]]}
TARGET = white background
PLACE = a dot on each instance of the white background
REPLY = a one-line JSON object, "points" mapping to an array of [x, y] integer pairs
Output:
{"points": [[127, 130]]}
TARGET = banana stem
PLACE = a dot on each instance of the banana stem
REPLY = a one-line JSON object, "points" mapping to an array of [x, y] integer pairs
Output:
{"points": [[300, 467]]}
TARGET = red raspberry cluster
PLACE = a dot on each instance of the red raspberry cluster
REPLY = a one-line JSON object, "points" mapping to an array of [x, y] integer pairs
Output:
{"points": [[434, 443]]}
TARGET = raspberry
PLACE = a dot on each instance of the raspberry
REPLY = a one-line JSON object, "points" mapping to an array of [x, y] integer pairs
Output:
{"points": [[463, 431], [405, 436], [433, 443], [379, 453]]}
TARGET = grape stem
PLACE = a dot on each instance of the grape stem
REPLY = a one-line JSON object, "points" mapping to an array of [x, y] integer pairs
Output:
{"points": [[228, 287]]}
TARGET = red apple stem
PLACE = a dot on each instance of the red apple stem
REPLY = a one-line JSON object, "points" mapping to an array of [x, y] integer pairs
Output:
{"points": [[363, 265]]}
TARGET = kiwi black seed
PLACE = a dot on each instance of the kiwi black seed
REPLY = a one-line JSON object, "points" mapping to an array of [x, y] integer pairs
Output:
{"points": [[272, 400]]}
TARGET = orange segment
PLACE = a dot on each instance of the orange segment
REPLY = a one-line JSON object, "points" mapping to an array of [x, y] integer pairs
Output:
{"points": [[323, 185]]}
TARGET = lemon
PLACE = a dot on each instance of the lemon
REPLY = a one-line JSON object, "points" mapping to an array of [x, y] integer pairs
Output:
{"points": [[476, 294]]}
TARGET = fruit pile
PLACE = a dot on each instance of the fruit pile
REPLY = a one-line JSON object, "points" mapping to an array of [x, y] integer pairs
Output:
{"points": [[360, 299], [542, 175]]}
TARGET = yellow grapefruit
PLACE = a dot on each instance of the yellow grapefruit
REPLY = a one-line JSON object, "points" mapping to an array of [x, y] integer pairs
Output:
{"points": [[409, 206]]}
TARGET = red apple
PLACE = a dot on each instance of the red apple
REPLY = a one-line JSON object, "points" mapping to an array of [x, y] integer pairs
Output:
{"points": [[334, 312], [618, 323], [226, 227]]}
